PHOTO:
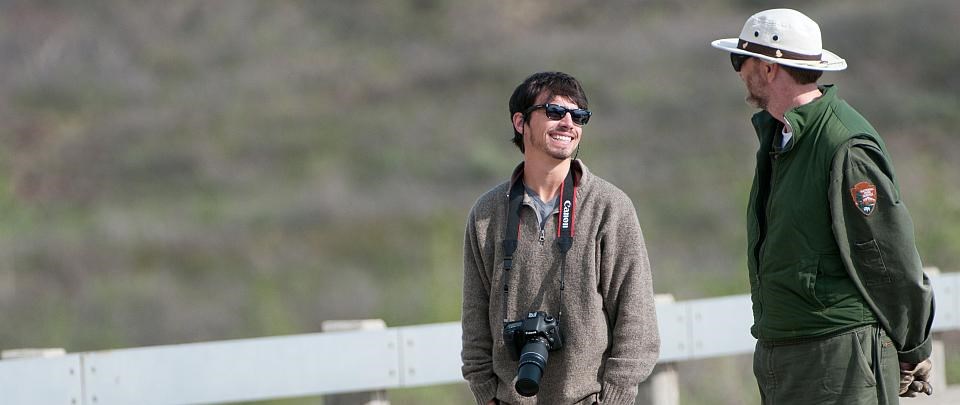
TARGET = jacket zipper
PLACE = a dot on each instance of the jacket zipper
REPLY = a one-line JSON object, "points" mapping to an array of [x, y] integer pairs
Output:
{"points": [[774, 157], [543, 237]]}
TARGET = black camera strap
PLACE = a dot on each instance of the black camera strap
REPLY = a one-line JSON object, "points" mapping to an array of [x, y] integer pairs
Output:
{"points": [[565, 228]]}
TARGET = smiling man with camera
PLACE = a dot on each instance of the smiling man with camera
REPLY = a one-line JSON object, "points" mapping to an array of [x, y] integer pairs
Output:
{"points": [[557, 292]]}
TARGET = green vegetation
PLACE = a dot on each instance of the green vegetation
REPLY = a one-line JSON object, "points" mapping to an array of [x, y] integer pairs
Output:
{"points": [[183, 171]]}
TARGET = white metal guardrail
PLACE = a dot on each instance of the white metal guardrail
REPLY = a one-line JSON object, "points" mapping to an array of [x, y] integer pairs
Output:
{"points": [[337, 362]]}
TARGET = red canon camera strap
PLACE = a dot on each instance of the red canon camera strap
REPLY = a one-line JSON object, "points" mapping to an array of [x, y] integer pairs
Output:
{"points": [[565, 227]]}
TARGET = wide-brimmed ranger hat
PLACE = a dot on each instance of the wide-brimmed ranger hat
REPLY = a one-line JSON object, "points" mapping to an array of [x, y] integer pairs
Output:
{"points": [[783, 36]]}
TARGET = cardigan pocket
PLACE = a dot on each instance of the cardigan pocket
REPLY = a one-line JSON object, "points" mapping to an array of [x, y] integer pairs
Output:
{"points": [[869, 263]]}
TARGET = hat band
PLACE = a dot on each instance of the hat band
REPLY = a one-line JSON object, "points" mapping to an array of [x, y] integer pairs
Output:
{"points": [[774, 52]]}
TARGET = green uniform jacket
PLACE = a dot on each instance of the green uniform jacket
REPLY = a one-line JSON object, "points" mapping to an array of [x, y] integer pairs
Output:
{"points": [[830, 243]]}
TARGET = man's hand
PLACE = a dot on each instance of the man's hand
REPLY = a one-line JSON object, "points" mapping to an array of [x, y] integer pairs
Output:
{"points": [[915, 378]]}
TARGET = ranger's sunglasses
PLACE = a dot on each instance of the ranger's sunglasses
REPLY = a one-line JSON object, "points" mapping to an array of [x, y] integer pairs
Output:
{"points": [[737, 60]]}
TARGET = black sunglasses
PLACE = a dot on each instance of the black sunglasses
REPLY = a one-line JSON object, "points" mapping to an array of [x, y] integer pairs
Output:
{"points": [[737, 60], [555, 112]]}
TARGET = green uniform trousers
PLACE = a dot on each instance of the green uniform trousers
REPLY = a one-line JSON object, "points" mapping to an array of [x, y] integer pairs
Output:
{"points": [[837, 369]]}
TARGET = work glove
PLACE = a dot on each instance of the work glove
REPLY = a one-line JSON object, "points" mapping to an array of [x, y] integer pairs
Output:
{"points": [[915, 378]]}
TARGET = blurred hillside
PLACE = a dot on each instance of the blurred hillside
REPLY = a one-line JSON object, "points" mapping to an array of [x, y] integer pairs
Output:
{"points": [[183, 171]]}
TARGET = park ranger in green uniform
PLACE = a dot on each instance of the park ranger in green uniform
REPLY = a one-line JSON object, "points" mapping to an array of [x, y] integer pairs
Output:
{"points": [[842, 309]]}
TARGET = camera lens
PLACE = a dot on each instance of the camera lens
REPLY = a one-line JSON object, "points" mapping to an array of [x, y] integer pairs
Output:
{"points": [[533, 360]]}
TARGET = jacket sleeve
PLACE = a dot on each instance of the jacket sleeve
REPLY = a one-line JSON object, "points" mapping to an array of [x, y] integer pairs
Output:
{"points": [[477, 351], [627, 289], [876, 238]]}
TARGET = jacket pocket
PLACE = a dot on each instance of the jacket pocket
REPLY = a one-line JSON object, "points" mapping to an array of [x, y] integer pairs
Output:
{"points": [[869, 263], [807, 273]]}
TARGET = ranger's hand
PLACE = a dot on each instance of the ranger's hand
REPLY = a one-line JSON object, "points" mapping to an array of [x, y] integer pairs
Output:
{"points": [[915, 378]]}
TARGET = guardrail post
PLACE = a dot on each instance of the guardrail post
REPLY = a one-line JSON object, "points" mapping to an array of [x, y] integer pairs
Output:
{"points": [[662, 386], [939, 358], [378, 397]]}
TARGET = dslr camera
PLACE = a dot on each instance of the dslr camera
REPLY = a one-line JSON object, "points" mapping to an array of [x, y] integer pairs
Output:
{"points": [[528, 341]]}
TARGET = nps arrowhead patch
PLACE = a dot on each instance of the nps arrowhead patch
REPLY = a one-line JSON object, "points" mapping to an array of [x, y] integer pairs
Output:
{"points": [[864, 197]]}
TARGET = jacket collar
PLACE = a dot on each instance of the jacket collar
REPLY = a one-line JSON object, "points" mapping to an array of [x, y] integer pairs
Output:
{"points": [[800, 118]]}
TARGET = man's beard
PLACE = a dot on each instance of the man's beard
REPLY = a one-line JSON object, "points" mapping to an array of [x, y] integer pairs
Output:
{"points": [[560, 154], [757, 101], [755, 96]]}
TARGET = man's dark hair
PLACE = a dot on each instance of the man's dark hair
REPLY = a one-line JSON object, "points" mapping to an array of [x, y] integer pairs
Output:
{"points": [[554, 84], [803, 76]]}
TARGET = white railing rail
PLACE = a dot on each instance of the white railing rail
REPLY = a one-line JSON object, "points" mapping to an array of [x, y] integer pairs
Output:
{"points": [[339, 362]]}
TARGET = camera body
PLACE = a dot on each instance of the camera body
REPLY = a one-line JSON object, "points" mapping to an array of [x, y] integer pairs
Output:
{"points": [[528, 341], [537, 326]]}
